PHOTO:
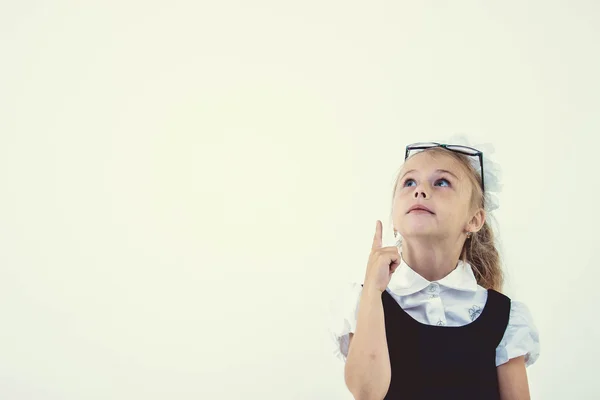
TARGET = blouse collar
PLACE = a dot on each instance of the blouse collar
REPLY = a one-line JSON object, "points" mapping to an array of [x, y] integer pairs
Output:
{"points": [[406, 281]]}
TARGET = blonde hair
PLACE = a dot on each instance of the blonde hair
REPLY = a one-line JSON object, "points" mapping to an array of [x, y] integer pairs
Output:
{"points": [[480, 249]]}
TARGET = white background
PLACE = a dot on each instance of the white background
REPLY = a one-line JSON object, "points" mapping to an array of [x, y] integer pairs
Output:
{"points": [[185, 185]]}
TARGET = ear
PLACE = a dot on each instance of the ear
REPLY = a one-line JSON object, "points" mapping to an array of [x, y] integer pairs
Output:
{"points": [[477, 221]]}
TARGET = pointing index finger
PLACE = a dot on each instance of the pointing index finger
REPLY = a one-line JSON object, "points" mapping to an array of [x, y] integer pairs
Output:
{"points": [[377, 242]]}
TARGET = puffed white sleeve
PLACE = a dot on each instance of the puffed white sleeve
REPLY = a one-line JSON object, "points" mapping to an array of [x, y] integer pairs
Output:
{"points": [[343, 315], [521, 337]]}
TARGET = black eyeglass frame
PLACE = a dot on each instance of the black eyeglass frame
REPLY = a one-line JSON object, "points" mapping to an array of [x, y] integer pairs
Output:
{"points": [[469, 151]]}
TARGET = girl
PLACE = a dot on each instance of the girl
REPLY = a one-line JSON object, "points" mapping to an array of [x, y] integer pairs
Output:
{"points": [[429, 321]]}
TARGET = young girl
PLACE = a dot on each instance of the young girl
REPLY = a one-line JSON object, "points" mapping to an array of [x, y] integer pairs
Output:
{"points": [[429, 321]]}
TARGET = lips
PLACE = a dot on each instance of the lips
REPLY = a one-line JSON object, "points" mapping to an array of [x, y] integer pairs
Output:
{"points": [[419, 207]]}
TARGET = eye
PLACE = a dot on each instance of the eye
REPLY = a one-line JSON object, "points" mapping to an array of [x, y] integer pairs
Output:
{"points": [[443, 180], [407, 181]]}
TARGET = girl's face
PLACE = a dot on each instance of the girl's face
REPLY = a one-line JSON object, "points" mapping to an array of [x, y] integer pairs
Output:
{"points": [[440, 183]]}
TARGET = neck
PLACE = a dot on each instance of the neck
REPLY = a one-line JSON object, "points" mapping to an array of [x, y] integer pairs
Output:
{"points": [[432, 259]]}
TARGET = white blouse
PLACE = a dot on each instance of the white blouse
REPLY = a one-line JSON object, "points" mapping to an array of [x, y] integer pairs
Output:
{"points": [[454, 300]]}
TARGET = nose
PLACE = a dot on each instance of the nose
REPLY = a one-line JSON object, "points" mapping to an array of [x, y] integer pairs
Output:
{"points": [[420, 192]]}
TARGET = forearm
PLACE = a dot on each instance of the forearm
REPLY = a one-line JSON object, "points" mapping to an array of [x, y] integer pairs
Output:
{"points": [[367, 371]]}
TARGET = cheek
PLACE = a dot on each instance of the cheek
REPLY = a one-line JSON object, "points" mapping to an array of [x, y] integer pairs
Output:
{"points": [[400, 203]]}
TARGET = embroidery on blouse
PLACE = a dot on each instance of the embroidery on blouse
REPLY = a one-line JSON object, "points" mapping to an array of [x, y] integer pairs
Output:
{"points": [[474, 312]]}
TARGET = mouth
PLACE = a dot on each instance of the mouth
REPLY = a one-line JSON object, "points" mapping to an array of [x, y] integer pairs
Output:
{"points": [[419, 210]]}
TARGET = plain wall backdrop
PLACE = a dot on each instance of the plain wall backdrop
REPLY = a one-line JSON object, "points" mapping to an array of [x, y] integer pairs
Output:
{"points": [[185, 185]]}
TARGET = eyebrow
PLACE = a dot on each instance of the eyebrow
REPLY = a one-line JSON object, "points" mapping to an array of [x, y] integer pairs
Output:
{"points": [[437, 170]]}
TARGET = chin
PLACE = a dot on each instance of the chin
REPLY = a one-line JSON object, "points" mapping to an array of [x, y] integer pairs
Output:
{"points": [[416, 228], [419, 232]]}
